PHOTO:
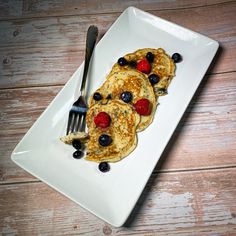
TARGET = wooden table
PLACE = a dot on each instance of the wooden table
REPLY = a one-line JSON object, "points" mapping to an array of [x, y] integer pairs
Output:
{"points": [[192, 190]]}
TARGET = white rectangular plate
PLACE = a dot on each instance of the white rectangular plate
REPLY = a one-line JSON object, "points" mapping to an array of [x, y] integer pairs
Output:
{"points": [[112, 195]]}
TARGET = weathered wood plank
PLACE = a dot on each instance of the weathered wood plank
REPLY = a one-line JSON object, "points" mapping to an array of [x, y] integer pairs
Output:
{"points": [[205, 137], [19, 110], [187, 203], [21, 107], [62, 7], [47, 51], [11, 8], [9, 171], [32, 8]]}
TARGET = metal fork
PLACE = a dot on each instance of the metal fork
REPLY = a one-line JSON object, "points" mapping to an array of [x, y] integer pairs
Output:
{"points": [[77, 114]]}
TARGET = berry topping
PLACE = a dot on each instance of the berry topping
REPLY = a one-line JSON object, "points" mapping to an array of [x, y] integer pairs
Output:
{"points": [[103, 167], [144, 66], [76, 144], [176, 57], [104, 140], [150, 57], [97, 96], [133, 64], [122, 61], [102, 120], [143, 107], [126, 96], [153, 78], [77, 154]]}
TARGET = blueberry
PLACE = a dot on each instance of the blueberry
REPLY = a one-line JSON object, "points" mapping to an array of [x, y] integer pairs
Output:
{"points": [[133, 64], [153, 78], [122, 61], [126, 96], [77, 154], [104, 167], [76, 144], [176, 57], [104, 140], [150, 57], [97, 96]]}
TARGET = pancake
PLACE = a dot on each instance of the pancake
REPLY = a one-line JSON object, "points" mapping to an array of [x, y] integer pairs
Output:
{"points": [[123, 121], [162, 65], [68, 139], [132, 81], [122, 130]]}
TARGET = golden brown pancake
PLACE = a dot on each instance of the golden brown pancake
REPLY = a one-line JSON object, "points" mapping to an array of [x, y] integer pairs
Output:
{"points": [[68, 139], [162, 65], [132, 81], [122, 130], [125, 121]]}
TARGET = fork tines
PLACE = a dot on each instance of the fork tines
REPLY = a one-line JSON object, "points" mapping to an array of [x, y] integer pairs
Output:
{"points": [[77, 115]]}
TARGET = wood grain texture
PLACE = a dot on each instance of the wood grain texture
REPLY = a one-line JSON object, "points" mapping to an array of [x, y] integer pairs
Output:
{"points": [[21, 107], [205, 137], [10, 8], [33, 8], [184, 203], [19, 110], [47, 51]]}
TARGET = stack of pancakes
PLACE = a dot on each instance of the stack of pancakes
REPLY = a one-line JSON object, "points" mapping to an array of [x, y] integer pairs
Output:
{"points": [[125, 121]]}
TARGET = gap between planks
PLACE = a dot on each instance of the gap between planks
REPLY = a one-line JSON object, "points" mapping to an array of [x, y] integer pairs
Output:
{"points": [[114, 12], [33, 86]]}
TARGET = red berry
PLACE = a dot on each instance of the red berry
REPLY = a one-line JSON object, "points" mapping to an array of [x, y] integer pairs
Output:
{"points": [[102, 120], [143, 107], [144, 66]]}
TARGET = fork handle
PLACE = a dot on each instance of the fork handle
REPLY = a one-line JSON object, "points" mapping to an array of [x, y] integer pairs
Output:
{"points": [[91, 38]]}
